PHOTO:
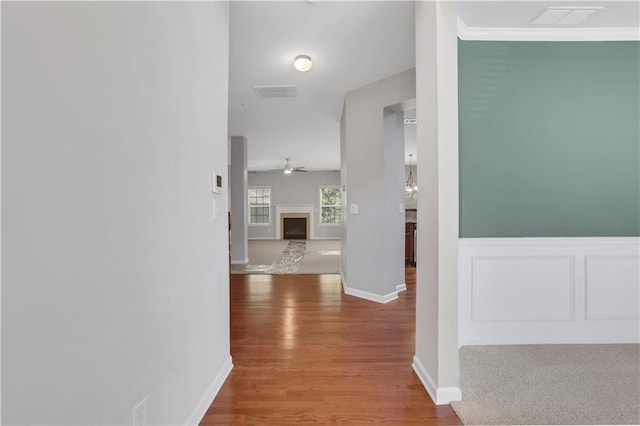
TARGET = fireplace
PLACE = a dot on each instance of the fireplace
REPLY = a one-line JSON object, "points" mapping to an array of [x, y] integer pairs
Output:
{"points": [[294, 226], [287, 210]]}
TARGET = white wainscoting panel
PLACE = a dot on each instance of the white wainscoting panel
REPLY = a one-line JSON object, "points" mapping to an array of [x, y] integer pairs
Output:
{"points": [[612, 288], [513, 288], [549, 290]]}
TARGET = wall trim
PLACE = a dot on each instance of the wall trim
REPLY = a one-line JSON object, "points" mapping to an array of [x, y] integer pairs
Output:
{"points": [[546, 241], [210, 394], [401, 287], [261, 238], [440, 396], [546, 33], [240, 262], [370, 296], [424, 376], [579, 290]]}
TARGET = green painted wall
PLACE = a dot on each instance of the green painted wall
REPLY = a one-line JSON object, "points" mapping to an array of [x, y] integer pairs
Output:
{"points": [[549, 139]]}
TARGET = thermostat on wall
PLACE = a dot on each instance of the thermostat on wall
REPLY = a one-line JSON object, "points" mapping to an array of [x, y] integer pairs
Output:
{"points": [[216, 183]]}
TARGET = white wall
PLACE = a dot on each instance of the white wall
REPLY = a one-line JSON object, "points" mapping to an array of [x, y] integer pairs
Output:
{"points": [[115, 278], [297, 189], [364, 163]]}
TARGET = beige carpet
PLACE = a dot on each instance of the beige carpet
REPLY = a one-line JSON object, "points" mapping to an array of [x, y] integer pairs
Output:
{"points": [[549, 384], [281, 257]]}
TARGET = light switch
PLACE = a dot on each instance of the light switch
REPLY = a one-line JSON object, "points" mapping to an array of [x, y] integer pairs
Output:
{"points": [[401, 208], [354, 208]]}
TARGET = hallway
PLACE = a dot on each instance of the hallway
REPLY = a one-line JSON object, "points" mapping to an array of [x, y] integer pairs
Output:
{"points": [[306, 353]]}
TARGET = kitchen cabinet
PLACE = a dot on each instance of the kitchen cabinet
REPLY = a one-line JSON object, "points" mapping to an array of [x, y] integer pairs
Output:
{"points": [[410, 243]]}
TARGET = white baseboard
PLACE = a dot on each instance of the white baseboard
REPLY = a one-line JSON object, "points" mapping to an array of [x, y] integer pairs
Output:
{"points": [[240, 262], [210, 394], [386, 298], [365, 294], [262, 238], [549, 290], [401, 287], [439, 396]]}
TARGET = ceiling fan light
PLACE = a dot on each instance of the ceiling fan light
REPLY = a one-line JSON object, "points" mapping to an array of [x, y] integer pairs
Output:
{"points": [[287, 171], [302, 63]]}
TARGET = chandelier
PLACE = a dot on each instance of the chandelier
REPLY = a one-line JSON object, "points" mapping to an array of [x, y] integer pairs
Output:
{"points": [[411, 187]]}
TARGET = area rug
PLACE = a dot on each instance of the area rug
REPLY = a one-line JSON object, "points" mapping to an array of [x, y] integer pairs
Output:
{"points": [[291, 257], [549, 384]]}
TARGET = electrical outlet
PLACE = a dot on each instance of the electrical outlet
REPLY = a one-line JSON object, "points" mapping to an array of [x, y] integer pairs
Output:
{"points": [[140, 413]]}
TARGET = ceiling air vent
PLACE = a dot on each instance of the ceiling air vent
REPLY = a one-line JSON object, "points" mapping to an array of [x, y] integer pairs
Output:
{"points": [[564, 15], [275, 91]]}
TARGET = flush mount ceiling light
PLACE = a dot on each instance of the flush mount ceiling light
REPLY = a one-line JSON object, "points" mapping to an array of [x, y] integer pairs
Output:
{"points": [[302, 63]]}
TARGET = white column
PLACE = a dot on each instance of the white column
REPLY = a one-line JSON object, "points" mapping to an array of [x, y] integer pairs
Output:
{"points": [[393, 204], [239, 200], [369, 177], [436, 358]]}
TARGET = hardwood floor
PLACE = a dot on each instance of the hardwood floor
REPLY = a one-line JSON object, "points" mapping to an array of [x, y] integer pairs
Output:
{"points": [[306, 353]]}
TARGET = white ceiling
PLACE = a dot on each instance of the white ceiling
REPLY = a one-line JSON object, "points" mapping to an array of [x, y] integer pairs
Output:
{"points": [[352, 44]]}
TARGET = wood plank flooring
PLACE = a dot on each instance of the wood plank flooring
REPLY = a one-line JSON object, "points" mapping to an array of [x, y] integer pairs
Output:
{"points": [[304, 352]]}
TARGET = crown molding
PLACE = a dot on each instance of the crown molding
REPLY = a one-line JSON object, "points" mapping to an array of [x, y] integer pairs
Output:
{"points": [[546, 33]]}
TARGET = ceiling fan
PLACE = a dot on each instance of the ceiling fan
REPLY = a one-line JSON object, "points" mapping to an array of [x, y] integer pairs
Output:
{"points": [[288, 169]]}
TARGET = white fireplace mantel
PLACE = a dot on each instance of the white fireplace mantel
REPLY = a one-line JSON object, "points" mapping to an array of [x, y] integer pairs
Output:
{"points": [[285, 209]]}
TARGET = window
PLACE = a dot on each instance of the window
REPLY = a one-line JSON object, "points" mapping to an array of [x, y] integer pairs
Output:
{"points": [[260, 206], [330, 205]]}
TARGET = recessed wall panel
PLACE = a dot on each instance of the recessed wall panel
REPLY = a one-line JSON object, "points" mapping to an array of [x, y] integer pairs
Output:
{"points": [[522, 289], [613, 288]]}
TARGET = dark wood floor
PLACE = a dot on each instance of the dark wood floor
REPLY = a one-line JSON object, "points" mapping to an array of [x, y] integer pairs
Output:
{"points": [[306, 353]]}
